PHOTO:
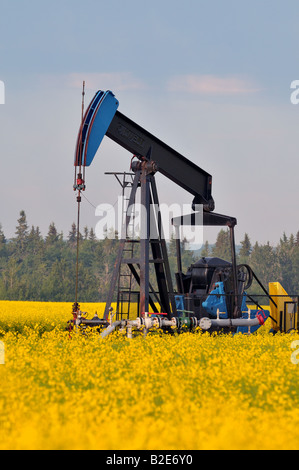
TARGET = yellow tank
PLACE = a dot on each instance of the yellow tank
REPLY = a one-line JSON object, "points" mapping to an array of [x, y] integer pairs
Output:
{"points": [[286, 312]]}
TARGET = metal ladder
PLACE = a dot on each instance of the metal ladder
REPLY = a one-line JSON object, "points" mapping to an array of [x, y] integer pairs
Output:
{"points": [[125, 283], [139, 264]]}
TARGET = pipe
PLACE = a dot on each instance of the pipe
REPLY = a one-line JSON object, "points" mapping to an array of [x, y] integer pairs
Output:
{"points": [[93, 322], [206, 323], [110, 329]]}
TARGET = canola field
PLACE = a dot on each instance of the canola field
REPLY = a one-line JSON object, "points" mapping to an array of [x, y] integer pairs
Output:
{"points": [[161, 392]]}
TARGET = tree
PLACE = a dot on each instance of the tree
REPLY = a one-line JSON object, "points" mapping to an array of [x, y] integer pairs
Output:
{"points": [[34, 241], [85, 233], [292, 241], [2, 243], [245, 246], [21, 234], [264, 263], [285, 256], [205, 251], [11, 279], [245, 250], [295, 270], [2, 236], [72, 237], [187, 256], [92, 235], [52, 235], [222, 246], [37, 268]]}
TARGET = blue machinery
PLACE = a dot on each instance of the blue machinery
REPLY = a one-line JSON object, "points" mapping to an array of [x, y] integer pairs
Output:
{"points": [[212, 294]]}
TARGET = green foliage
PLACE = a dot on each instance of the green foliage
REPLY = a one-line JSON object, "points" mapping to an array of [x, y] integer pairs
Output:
{"points": [[270, 263], [44, 269], [245, 250], [33, 268], [221, 249], [186, 255], [206, 251]]}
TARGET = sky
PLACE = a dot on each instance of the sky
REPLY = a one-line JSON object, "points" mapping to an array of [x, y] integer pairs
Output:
{"points": [[212, 79]]}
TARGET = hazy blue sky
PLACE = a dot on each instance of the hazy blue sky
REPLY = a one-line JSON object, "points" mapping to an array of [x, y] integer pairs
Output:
{"points": [[211, 78]]}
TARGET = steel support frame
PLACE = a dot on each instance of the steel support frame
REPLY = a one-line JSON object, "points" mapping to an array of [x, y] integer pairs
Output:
{"points": [[213, 219], [150, 214], [118, 261]]}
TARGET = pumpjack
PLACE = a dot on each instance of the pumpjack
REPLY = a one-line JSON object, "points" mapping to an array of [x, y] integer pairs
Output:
{"points": [[212, 293]]}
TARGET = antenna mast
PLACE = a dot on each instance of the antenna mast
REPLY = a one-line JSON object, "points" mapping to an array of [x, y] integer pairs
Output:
{"points": [[79, 185]]}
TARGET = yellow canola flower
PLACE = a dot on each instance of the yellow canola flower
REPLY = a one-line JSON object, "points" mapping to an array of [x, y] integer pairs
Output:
{"points": [[163, 392]]}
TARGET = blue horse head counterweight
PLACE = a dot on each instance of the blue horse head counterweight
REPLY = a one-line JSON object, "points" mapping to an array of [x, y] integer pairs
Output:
{"points": [[94, 126]]}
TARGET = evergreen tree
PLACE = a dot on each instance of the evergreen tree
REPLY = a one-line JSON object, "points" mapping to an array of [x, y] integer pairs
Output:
{"points": [[92, 235], [187, 256], [285, 257], [2, 236], [2, 243], [295, 270], [292, 241], [21, 234], [245, 250], [222, 246], [205, 251], [245, 246], [11, 279], [35, 241], [264, 263], [52, 235], [37, 268], [72, 237]]}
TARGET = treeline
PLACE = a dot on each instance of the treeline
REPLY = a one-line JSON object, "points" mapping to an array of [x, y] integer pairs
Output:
{"points": [[33, 267], [269, 263]]}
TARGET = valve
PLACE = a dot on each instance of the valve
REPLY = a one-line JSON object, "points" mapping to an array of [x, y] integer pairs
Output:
{"points": [[80, 184], [261, 317]]}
